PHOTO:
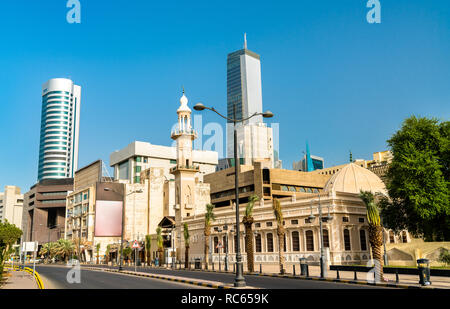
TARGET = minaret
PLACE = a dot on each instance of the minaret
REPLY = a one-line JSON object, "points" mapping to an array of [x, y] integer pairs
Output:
{"points": [[185, 170]]}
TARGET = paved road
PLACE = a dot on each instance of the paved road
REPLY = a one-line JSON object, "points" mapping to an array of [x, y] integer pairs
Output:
{"points": [[54, 277], [255, 281]]}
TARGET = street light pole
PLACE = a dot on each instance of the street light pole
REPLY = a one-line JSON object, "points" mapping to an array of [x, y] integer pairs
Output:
{"points": [[239, 280], [323, 268]]}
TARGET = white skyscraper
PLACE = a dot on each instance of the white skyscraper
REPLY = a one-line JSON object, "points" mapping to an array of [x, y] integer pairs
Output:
{"points": [[60, 119]]}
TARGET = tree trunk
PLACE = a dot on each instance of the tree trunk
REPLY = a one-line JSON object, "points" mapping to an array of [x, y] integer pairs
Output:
{"points": [[186, 257], [248, 221], [376, 242], [161, 256], [207, 233], [281, 250]]}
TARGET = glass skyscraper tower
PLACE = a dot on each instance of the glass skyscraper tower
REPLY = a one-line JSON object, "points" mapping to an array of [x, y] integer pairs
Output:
{"points": [[244, 84], [60, 118]]}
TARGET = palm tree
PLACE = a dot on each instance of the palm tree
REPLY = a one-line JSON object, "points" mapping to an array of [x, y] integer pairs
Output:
{"points": [[127, 253], [209, 217], [248, 222], [148, 247], [108, 249], [97, 249], [186, 245], [375, 231], [63, 248], [160, 242], [280, 232]]}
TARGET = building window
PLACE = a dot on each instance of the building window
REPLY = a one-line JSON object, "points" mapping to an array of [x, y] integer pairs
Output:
{"points": [[326, 239], [344, 219], [268, 223], [138, 159], [216, 243], [404, 237], [269, 242], [362, 239], [295, 241], [137, 179], [309, 240], [173, 161], [361, 220], [258, 243], [257, 224], [391, 237], [294, 222], [347, 240], [137, 169], [307, 220]]}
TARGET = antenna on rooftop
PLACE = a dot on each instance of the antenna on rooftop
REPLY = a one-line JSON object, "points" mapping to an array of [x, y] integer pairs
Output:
{"points": [[105, 172], [245, 40]]}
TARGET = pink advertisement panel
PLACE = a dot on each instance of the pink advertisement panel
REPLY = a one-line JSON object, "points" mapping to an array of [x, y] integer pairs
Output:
{"points": [[108, 218]]}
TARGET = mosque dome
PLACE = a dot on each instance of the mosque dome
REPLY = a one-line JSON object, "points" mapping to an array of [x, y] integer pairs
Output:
{"points": [[353, 178], [183, 104]]}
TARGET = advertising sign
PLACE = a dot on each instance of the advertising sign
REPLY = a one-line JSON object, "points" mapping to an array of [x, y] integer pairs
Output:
{"points": [[108, 218]]}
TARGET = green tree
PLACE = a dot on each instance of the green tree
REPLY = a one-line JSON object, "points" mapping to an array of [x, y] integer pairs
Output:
{"points": [[9, 235], [375, 230], [186, 244], [97, 250], [209, 217], [148, 247], [63, 248], [276, 205], [418, 180], [248, 222], [444, 256]]}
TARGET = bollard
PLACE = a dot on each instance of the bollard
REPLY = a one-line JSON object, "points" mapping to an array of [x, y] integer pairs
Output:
{"points": [[260, 268], [356, 276], [293, 269], [337, 274], [396, 276]]}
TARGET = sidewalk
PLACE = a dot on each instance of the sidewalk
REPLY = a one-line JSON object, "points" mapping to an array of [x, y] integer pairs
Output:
{"points": [[19, 280], [314, 271]]}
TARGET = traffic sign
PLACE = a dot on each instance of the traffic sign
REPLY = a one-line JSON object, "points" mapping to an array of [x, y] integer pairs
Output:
{"points": [[135, 245]]}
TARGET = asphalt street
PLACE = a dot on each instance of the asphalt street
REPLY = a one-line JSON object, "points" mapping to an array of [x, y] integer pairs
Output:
{"points": [[254, 281], [55, 277]]}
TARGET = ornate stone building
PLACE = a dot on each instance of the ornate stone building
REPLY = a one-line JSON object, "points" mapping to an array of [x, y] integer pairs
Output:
{"points": [[345, 236]]}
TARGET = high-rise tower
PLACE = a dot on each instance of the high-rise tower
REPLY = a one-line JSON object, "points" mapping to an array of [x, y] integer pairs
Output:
{"points": [[244, 84], [60, 118]]}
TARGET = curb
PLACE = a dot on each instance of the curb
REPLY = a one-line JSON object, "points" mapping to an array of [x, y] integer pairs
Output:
{"points": [[148, 275], [37, 277]]}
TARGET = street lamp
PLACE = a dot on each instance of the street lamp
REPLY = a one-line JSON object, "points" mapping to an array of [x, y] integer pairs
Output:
{"points": [[123, 217], [323, 267], [239, 281]]}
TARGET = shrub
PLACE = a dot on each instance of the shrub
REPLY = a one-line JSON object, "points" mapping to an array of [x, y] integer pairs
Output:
{"points": [[444, 257]]}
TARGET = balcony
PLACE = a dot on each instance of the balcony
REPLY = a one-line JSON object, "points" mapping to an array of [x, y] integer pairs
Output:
{"points": [[185, 168], [177, 132]]}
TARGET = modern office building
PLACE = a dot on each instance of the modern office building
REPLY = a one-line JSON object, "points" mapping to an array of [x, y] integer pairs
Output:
{"points": [[244, 98], [44, 210], [11, 204], [244, 84], [60, 119], [129, 162]]}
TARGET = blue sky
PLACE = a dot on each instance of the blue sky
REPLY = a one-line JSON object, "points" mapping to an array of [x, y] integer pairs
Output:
{"points": [[328, 76]]}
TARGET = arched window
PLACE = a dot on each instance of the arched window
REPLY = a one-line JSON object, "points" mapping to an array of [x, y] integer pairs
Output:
{"points": [[391, 237], [362, 240], [258, 243], [347, 240], [224, 244], [216, 242], [309, 240], [295, 241], [326, 239], [404, 237], [269, 242]]}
